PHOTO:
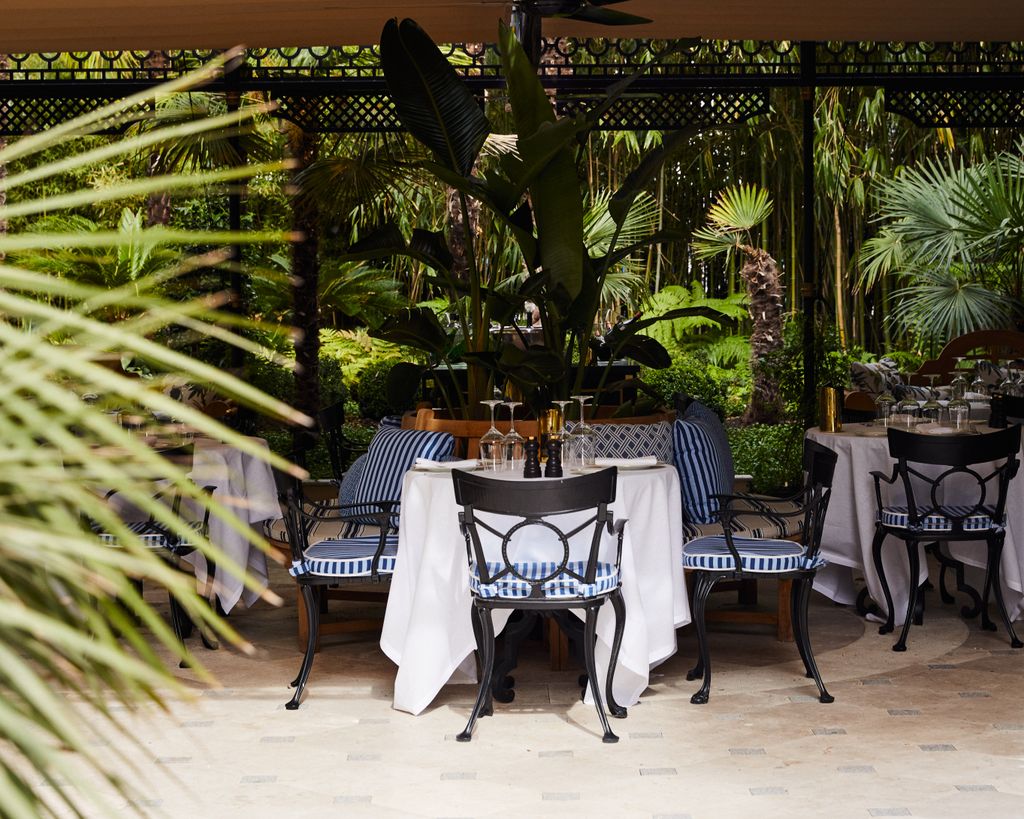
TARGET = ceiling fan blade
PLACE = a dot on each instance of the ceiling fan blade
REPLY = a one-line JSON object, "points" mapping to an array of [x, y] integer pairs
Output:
{"points": [[606, 2], [608, 17]]}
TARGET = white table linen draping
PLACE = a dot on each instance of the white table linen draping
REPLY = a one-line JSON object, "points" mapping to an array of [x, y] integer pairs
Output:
{"points": [[245, 485], [428, 630], [850, 527]]}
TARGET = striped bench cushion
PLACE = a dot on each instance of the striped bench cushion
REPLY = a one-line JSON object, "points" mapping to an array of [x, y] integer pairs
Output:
{"points": [[562, 585], [939, 521], [391, 454], [756, 555], [753, 525], [346, 557]]}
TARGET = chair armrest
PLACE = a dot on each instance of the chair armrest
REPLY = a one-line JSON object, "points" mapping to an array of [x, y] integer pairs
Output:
{"points": [[618, 528], [879, 478]]}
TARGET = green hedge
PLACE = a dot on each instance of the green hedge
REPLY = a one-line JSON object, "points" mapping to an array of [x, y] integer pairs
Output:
{"points": [[771, 453]]}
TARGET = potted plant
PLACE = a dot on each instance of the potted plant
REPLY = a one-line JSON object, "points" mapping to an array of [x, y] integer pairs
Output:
{"points": [[535, 194]]}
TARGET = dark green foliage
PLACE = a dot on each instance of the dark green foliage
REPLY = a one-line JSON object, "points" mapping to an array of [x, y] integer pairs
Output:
{"points": [[770, 453], [906, 362], [279, 381], [372, 390], [690, 375]]}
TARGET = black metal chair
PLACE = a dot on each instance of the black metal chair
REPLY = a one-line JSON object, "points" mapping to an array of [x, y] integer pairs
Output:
{"points": [[157, 535], [568, 579], [732, 557], [983, 466]]}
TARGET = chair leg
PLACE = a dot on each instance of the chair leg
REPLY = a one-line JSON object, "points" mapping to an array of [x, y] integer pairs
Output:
{"points": [[513, 636], [995, 552], [485, 646], [876, 553], [310, 596], [915, 590], [589, 640], [619, 605], [805, 639], [705, 583], [784, 612], [798, 636]]}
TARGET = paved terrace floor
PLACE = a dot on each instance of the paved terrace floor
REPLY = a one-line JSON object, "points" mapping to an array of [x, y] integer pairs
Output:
{"points": [[935, 732]]}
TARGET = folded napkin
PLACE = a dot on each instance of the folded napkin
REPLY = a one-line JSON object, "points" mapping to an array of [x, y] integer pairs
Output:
{"points": [[627, 463], [444, 466], [936, 429]]}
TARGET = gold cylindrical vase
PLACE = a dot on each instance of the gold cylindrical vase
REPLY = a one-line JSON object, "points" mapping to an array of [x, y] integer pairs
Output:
{"points": [[830, 409]]}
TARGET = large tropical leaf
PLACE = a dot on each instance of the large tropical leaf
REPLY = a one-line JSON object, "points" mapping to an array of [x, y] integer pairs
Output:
{"points": [[432, 101]]}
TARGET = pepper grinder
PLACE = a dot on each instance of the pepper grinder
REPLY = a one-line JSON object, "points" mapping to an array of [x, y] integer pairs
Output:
{"points": [[532, 468], [553, 468], [997, 416]]}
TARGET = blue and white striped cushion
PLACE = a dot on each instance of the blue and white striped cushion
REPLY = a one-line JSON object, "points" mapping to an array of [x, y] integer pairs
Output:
{"points": [[756, 555], [898, 517], [752, 525], [346, 557], [696, 411], [153, 540], [700, 470], [562, 585], [391, 454], [631, 440]]}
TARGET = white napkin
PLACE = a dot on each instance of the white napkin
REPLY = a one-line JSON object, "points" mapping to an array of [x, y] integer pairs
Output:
{"points": [[626, 463], [935, 429], [444, 466]]}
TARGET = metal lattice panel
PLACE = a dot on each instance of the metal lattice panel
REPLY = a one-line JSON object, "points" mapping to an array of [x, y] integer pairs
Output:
{"points": [[954, 109], [373, 113], [669, 111], [20, 116], [882, 60]]}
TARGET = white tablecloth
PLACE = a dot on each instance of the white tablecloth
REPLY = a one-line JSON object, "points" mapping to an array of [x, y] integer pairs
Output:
{"points": [[850, 528], [245, 485], [428, 631]]}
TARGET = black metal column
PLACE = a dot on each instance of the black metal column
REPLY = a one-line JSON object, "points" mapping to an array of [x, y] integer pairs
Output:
{"points": [[236, 193], [808, 287]]}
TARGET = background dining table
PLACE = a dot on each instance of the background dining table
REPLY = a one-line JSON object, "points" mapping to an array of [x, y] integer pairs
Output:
{"points": [[428, 630], [850, 528], [245, 485]]}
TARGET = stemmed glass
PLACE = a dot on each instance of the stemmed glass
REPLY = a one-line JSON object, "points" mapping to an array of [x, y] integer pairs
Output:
{"points": [[884, 404], [907, 408], [959, 410], [582, 442], [561, 404], [978, 385], [492, 442], [1006, 386], [932, 409], [958, 385], [514, 443]]}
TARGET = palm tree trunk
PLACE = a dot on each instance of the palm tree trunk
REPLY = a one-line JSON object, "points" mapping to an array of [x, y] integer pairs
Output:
{"points": [[303, 147], [760, 273]]}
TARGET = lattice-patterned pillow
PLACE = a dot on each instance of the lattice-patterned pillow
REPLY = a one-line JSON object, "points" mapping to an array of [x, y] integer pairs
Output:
{"points": [[391, 454], [700, 471], [631, 440]]}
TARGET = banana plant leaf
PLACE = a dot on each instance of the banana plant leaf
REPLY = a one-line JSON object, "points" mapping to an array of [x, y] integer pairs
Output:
{"points": [[429, 247], [639, 178], [416, 327], [403, 383]]}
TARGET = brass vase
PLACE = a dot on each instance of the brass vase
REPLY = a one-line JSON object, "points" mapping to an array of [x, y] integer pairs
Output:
{"points": [[830, 409]]}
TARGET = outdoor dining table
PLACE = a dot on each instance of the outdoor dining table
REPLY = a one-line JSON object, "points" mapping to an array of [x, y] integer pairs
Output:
{"points": [[245, 485], [428, 630], [850, 527]]}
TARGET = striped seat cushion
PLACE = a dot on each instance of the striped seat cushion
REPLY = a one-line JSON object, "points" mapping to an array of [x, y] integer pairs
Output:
{"points": [[391, 454], [153, 540], [346, 557], [756, 555], [939, 521], [562, 585]]}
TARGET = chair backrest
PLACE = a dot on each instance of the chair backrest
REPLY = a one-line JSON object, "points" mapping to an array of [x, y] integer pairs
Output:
{"points": [[978, 489], [330, 422], [467, 433], [535, 503], [990, 345], [819, 465]]}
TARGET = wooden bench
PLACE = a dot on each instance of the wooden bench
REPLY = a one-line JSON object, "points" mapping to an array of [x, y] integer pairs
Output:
{"points": [[982, 345]]}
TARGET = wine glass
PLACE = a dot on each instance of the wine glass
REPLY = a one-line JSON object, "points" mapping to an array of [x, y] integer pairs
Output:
{"points": [[582, 441], [931, 410], [907, 408], [492, 442], [958, 384], [959, 410], [1006, 385], [884, 404], [514, 443], [978, 385], [561, 404]]}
